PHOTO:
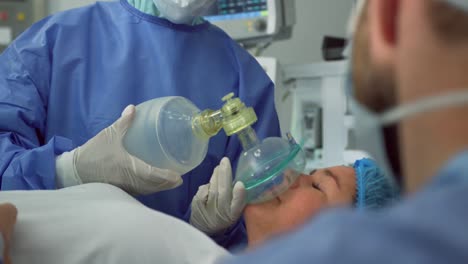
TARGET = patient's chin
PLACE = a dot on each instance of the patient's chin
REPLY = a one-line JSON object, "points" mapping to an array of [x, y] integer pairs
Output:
{"points": [[251, 211], [262, 209], [257, 215], [258, 224]]}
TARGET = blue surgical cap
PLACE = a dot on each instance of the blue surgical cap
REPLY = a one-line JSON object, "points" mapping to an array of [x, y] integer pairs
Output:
{"points": [[374, 189]]}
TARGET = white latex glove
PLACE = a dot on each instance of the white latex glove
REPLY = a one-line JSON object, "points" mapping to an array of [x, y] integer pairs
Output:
{"points": [[217, 205], [104, 159]]}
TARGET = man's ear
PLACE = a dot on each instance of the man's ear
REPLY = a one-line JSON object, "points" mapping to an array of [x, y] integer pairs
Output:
{"points": [[383, 29]]}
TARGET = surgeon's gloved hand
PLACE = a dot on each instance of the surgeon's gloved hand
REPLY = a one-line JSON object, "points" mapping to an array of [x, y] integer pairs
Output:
{"points": [[217, 205], [104, 159]]}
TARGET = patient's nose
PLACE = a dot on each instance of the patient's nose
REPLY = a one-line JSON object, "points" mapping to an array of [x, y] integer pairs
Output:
{"points": [[298, 182]]}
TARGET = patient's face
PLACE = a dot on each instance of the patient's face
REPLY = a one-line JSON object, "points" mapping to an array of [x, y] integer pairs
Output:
{"points": [[324, 188]]}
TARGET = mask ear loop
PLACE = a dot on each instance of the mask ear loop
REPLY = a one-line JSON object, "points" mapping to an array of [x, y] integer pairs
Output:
{"points": [[460, 4], [354, 17], [432, 103]]}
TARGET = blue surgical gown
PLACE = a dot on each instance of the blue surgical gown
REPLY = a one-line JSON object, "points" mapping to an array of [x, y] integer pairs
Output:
{"points": [[70, 75], [427, 228]]}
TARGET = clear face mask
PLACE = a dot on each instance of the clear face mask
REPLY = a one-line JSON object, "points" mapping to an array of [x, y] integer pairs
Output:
{"points": [[270, 168]]}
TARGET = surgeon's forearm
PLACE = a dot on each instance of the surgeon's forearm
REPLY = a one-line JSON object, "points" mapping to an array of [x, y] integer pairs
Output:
{"points": [[25, 167]]}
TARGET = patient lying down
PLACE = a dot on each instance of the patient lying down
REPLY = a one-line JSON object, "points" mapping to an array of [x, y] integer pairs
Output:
{"points": [[98, 223]]}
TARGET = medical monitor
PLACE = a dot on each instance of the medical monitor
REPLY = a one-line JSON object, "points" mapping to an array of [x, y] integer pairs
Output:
{"points": [[248, 21]]}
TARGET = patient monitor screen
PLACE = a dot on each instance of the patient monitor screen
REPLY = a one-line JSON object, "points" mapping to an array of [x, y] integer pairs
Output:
{"points": [[237, 9]]}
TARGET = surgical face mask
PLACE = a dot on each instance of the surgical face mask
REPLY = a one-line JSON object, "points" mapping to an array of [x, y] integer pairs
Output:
{"points": [[182, 11], [373, 131], [369, 136]]}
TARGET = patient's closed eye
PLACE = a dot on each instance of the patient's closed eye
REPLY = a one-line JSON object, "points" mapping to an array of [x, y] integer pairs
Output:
{"points": [[316, 186]]}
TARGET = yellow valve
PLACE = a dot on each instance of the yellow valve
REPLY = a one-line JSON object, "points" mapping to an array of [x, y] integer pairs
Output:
{"points": [[236, 116], [227, 97], [233, 117], [207, 123]]}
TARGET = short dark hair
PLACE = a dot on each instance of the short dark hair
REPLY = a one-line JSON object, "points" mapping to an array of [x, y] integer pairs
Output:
{"points": [[449, 23]]}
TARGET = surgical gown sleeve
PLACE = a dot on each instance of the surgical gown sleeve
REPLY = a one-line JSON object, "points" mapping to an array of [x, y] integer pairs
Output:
{"points": [[26, 160]]}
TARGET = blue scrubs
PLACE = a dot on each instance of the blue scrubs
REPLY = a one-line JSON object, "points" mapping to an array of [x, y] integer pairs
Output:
{"points": [[429, 227], [70, 76]]}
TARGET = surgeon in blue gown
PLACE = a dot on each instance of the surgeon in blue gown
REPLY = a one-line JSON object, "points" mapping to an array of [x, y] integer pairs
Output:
{"points": [[70, 75]]}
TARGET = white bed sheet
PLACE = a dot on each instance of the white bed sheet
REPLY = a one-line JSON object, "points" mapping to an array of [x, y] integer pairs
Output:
{"points": [[98, 223]]}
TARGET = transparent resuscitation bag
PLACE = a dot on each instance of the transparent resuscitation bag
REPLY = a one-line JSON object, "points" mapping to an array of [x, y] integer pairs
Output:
{"points": [[161, 135], [173, 133]]}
